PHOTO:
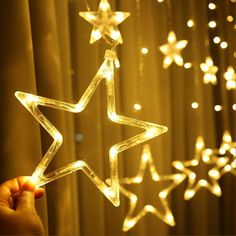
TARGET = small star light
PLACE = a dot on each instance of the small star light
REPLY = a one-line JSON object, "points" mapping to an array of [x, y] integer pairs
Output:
{"points": [[206, 156], [172, 50], [105, 22], [209, 71], [228, 149], [131, 219], [106, 72], [230, 78]]}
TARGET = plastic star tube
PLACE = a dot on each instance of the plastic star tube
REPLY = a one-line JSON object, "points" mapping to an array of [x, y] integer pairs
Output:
{"points": [[106, 72], [172, 50], [105, 23], [208, 157], [209, 71], [173, 180]]}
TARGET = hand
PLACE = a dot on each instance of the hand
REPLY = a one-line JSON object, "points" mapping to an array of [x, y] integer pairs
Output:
{"points": [[18, 215]]}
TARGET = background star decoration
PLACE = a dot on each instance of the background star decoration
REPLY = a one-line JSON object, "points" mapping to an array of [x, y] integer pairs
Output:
{"points": [[175, 179], [172, 50], [208, 157], [105, 22], [209, 71], [106, 71], [230, 78], [228, 150]]}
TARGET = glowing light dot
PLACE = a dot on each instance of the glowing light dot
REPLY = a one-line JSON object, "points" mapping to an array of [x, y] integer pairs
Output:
{"points": [[137, 107], [203, 182], [212, 6], [189, 194], [144, 51], [228, 168], [234, 107], [192, 176], [190, 23], [214, 173], [160, 0], [187, 65], [230, 18], [217, 107], [195, 105], [212, 24], [163, 194], [216, 40], [223, 45]]}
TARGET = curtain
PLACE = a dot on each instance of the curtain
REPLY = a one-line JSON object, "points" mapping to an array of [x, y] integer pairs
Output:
{"points": [[45, 50]]}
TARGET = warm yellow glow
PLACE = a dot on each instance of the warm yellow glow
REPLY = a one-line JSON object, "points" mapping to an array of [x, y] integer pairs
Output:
{"points": [[147, 162], [217, 107], [106, 73], [209, 70], [190, 23], [208, 157], [223, 45], [172, 50], [144, 51], [230, 77], [216, 39], [160, 0], [194, 105], [234, 107], [187, 65], [212, 6], [137, 107], [228, 150], [230, 18], [212, 24], [105, 22]]}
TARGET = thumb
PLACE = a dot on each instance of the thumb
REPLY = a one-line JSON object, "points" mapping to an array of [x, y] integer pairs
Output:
{"points": [[26, 196]]}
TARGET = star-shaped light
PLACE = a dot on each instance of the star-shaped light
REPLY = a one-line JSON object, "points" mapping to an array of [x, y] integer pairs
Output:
{"points": [[172, 50], [105, 22], [209, 70], [131, 219], [206, 156], [228, 150], [106, 72], [230, 78]]}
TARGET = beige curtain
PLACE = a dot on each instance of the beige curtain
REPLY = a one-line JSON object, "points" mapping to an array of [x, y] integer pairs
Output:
{"points": [[45, 50]]}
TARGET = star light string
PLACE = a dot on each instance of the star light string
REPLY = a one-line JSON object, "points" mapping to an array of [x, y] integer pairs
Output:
{"points": [[230, 78], [105, 23], [209, 70], [228, 150], [172, 50], [146, 162], [206, 156], [106, 72]]}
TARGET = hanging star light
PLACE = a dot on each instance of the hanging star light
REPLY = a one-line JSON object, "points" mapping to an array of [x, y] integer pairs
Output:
{"points": [[105, 23], [172, 50], [209, 70], [230, 78], [106, 71], [206, 156], [228, 150], [175, 179]]}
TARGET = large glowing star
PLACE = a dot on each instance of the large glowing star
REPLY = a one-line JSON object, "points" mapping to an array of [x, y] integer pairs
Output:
{"points": [[105, 23], [106, 72], [172, 50], [206, 156], [209, 71], [173, 180], [228, 150], [230, 78]]}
